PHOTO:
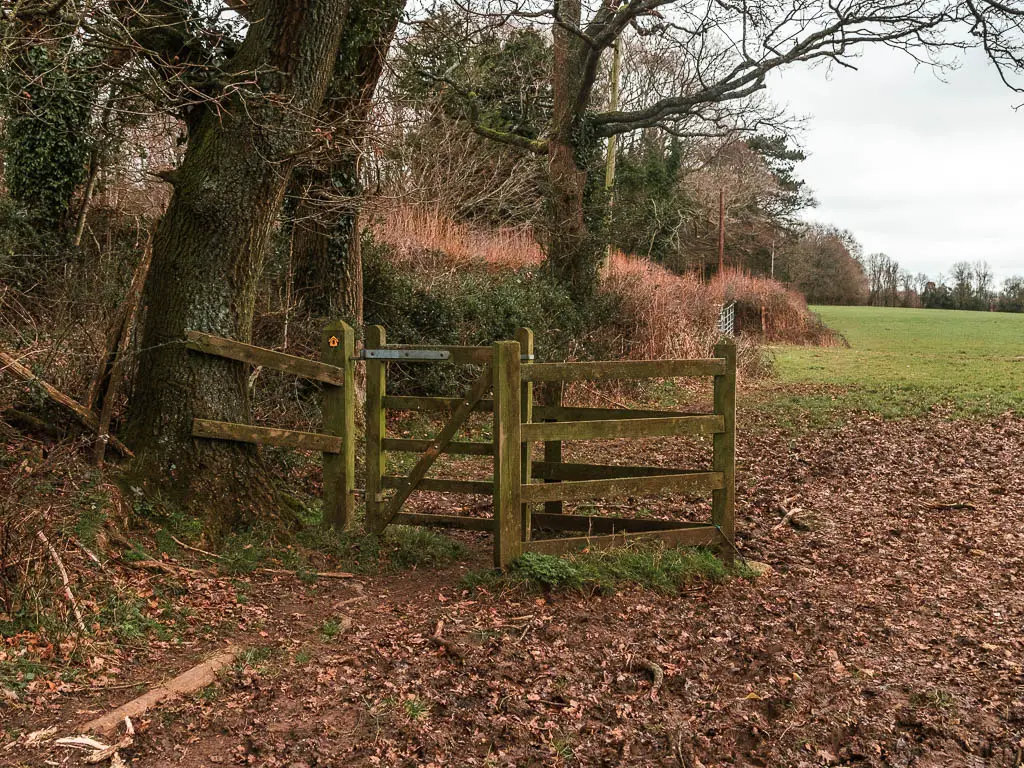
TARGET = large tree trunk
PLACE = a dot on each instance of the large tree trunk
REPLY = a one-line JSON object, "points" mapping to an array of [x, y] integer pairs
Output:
{"points": [[207, 257], [573, 253], [328, 260]]}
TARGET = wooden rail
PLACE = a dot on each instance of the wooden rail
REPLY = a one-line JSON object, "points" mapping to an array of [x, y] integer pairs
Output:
{"points": [[556, 470], [281, 438], [443, 485], [464, 448], [563, 413], [624, 369], [431, 404], [268, 358], [609, 429], [618, 487], [540, 412]]}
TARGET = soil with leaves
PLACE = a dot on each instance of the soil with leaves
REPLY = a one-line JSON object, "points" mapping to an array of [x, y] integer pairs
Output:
{"points": [[887, 632]]}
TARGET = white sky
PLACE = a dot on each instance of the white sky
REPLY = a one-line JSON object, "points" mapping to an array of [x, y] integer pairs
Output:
{"points": [[929, 172]]}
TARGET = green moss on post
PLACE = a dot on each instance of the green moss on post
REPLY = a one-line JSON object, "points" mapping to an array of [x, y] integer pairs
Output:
{"points": [[508, 530], [376, 464], [525, 338], [723, 501], [338, 348]]}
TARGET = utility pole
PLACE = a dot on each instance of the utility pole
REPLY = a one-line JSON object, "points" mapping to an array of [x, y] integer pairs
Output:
{"points": [[609, 172], [721, 230]]}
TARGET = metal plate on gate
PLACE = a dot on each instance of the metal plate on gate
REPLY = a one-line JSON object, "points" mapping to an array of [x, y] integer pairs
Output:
{"points": [[406, 354]]}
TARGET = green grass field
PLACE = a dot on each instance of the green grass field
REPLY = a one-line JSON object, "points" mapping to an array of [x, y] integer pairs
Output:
{"points": [[905, 362]]}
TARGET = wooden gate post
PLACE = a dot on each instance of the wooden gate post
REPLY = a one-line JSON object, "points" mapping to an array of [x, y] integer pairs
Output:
{"points": [[553, 393], [376, 385], [508, 520], [339, 348], [525, 338], [723, 502]]}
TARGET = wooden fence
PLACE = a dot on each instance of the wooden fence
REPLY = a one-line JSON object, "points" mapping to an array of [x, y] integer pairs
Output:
{"points": [[335, 371], [520, 485]]}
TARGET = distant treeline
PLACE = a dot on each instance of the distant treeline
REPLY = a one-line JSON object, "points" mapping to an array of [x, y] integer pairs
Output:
{"points": [[828, 266], [968, 286]]}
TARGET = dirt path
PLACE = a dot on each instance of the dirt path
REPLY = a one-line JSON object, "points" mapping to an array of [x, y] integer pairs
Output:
{"points": [[890, 634]]}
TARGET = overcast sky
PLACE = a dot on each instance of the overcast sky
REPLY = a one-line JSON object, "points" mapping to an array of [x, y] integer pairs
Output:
{"points": [[929, 172]]}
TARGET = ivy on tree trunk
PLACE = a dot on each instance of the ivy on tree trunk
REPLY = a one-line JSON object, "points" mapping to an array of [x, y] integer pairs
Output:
{"points": [[328, 259]]}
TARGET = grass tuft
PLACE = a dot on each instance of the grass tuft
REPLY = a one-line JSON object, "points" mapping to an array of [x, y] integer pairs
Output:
{"points": [[415, 708], [663, 570]]}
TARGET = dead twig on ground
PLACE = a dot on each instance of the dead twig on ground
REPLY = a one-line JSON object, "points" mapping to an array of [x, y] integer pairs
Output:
{"points": [[318, 574], [358, 587], [657, 674], [67, 582], [447, 646], [158, 565], [786, 518], [188, 682], [189, 547], [88, 418], [88, 553], [110, 753]]}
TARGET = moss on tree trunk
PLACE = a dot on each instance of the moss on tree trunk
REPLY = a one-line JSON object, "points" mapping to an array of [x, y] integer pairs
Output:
{"points": [[207, 256], [328, 260], [574, 248]]}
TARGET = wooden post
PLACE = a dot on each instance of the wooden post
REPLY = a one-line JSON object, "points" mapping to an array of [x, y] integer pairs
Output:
{"points": [[376, 375], [553, 448], [723, 502], [508, 533], [338, 348], [525, 338]]}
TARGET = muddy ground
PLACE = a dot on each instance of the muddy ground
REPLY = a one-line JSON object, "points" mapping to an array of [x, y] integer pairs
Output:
{"points": [[889, 633]]}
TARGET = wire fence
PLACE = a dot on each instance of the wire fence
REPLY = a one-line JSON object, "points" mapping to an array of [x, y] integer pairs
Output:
{"points": [[727, 319]]}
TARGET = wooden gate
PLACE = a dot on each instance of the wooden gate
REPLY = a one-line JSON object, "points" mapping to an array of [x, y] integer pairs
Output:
{"points": [[381, 510], [519, 483], [516, 489], [335, 371]]}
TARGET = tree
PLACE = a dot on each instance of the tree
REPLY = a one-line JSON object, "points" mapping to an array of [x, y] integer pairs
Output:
{"points": [[962, 274], [1011, 297], [884, 280], [208, 251], [653, 210], [982, 283], [821, 266], [328, 263], [729, 50], [937, 295], [998, 25], [761, 197], [908, 294], [49, 88]]}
